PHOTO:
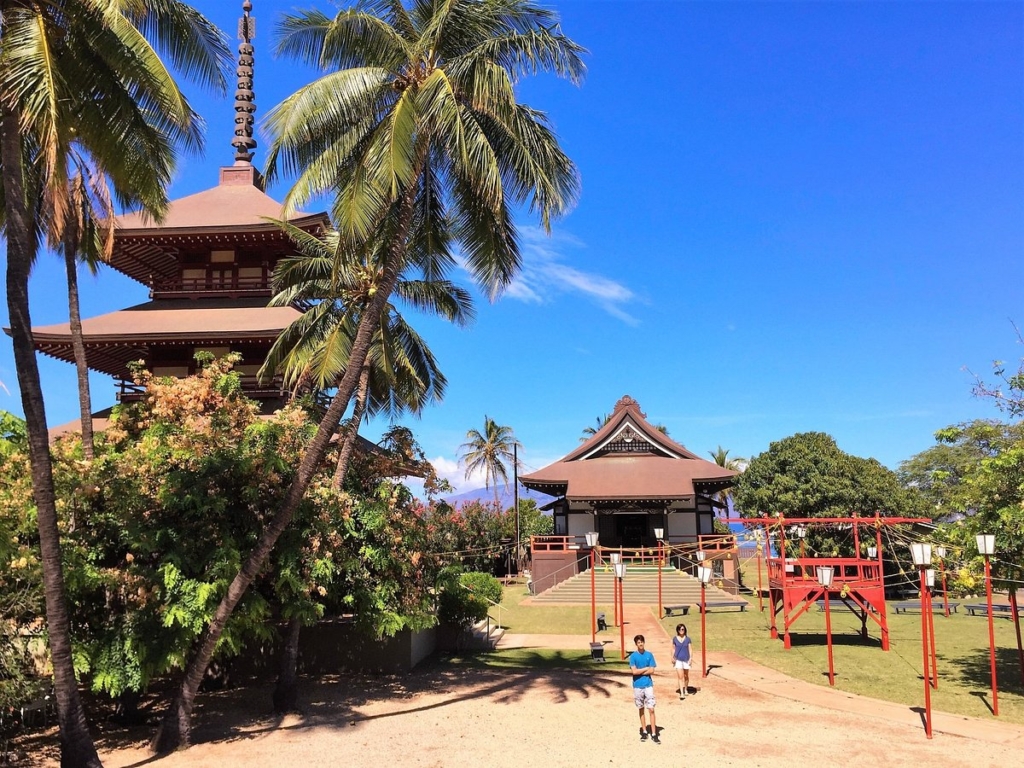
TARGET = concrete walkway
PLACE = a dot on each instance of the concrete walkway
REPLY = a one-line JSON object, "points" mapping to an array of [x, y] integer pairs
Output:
{"points": [[738, 670]]}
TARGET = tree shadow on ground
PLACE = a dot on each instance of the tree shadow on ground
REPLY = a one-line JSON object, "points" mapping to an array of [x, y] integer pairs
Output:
{"points": [[797, 639], [974, 668], [345, 701]]}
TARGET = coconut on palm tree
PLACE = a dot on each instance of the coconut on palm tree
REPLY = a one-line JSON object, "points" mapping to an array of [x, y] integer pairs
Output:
{"points": [[416, 132], [84, 76], [491, 452]]}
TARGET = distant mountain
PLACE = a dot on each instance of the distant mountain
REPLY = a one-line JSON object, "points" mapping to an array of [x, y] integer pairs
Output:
{"points": [[505, 498]]}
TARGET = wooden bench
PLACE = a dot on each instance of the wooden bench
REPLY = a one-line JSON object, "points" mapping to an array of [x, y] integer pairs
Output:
{"points": [[683, 609], [915, 605], [597, 651], [997, 608], [741, 604]]}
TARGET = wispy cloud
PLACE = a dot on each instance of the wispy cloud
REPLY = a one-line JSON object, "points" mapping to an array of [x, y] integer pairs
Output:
{"points": [[545, 276]]}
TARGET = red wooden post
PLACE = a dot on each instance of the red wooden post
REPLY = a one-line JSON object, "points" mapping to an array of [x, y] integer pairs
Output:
{"points": [[660, 612], [991, 637], [622, 622], [760, 595], [931, 636], [881, 582], [828, 640], [856, 536], [1016, 624], [786, 640], [703, 632], [924, 652]]}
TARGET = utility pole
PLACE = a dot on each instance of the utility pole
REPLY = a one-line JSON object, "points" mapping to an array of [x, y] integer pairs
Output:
{"points": [[515, 500]]}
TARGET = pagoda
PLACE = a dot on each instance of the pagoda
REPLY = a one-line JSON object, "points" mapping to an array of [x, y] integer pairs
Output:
{"points": [[208, 265]]}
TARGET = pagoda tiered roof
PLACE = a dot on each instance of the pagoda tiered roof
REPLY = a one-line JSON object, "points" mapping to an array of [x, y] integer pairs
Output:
{"points": [[235, 212], [117, 338]]}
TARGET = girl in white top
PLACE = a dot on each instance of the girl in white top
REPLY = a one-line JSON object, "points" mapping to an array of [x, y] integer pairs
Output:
{"points": [[681, 656]]}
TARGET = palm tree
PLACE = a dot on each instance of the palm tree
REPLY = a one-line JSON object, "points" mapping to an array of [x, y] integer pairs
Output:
{"points": [[491, 451], [721, 457], [400, 374], [416, 132], [83, 241], [82, 76], [589, 432]]}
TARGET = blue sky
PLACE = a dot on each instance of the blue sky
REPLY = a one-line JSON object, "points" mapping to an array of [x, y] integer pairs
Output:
{"points": [[794, 216]]}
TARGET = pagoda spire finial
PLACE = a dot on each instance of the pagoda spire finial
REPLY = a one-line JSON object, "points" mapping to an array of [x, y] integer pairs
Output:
{"points": [[245, 105]]}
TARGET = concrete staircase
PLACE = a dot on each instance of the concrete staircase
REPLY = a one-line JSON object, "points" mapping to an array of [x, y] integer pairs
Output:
{"points": [[482, 636], [640, 587]]}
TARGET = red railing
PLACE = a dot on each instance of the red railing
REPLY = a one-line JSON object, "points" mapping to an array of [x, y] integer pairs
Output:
{"points": [[682, 548], [848, 570]]}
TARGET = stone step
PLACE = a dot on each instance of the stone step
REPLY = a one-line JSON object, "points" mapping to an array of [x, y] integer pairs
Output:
{"points": [[640, 588]]}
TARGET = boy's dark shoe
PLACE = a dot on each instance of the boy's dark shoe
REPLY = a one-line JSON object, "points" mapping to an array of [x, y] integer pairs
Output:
{"points": [[655, 739], [643, 735]]}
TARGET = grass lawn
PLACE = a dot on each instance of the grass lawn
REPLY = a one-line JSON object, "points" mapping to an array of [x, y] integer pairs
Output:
{"points": [[543, 619], [961, 645]]}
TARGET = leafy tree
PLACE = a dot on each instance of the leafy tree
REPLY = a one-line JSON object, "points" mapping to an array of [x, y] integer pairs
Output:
{"points": [[938, 473], [981, 490], [807, 475], [129, 121], [417, 133], [20, 593], [489, 451]]}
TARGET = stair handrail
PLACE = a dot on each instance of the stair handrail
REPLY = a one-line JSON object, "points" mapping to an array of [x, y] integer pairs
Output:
{"points": [[486, 599]]}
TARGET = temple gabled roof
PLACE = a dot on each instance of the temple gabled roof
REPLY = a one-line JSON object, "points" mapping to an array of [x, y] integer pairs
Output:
{"points": [[235, 212], [117, 338], [628, 459]]}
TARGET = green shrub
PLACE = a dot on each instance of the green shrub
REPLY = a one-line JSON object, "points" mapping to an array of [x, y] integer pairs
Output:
{"points": [[463, 598]]}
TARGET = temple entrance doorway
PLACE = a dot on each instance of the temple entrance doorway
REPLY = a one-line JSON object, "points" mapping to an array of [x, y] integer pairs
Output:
{"points": [[631, 530]]}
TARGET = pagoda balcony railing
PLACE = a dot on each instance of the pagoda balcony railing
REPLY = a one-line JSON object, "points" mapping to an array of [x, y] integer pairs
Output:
{"points": [[192, 286], [130, 392]]}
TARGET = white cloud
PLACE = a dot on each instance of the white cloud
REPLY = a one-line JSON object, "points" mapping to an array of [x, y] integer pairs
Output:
{"points": [[545, 276]]}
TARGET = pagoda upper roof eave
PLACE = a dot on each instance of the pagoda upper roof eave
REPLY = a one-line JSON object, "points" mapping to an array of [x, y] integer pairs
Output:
{"points": [[305, 221]]}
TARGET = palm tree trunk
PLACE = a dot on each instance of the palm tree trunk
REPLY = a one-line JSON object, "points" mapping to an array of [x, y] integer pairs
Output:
{"points": [[175, 729], [77, 748], [286, 693], [345, 454], [78, 344]]}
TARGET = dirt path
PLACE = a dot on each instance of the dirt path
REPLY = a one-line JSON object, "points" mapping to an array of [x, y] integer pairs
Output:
{"points": [[444, 716]]}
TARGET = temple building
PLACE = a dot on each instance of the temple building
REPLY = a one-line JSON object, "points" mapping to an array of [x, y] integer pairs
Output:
{"points": [[628, 480], [208, 266]]}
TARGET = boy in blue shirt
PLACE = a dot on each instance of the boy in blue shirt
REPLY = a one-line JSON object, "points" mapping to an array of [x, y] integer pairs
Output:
{"points": [[642, 664]]}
